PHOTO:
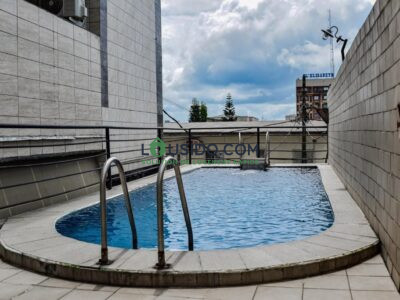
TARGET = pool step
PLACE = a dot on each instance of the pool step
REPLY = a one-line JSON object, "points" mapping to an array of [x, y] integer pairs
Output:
{"points": [[254, 164]]}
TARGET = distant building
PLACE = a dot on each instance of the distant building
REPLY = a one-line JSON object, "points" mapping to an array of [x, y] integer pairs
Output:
{"points": [[239, 119], [291, 117], [317, 96]]}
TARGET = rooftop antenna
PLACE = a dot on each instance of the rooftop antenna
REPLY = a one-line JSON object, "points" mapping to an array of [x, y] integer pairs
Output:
{"points": [[332, 49]]}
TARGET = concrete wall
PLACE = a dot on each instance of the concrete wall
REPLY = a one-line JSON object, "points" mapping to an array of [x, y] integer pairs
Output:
{"points": [[364, 140]]}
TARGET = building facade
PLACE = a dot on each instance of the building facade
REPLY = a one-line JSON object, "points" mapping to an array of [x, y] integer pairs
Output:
{"points": [[317, 96], [106, 71]]}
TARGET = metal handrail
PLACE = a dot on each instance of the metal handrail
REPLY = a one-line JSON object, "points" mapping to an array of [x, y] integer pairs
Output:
{"points": [[103, 207], [160, 209]]}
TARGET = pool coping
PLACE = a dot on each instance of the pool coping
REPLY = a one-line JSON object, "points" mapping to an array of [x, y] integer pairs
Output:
{"points": [[29, 242]]}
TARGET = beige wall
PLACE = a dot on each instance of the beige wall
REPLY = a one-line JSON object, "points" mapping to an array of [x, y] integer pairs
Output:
{"points": [[132, 78], [50, 74], [364, 139], [282, 145]]}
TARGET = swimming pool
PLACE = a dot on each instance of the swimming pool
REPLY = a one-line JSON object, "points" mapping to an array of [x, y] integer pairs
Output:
{"points": [[229, 208]]}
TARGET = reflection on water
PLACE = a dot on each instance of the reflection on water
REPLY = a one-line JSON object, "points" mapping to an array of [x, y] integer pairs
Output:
{"points": [[229, 208]]}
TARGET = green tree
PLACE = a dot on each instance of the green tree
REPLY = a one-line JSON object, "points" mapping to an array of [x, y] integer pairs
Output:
{"points": [[203, 112], [194, 115], [229, 111]]}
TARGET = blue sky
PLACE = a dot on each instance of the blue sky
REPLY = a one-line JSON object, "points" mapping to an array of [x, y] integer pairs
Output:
{"points": [[253, 49]]}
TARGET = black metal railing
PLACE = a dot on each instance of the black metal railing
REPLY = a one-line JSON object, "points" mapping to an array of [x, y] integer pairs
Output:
{"points": [[28, 146]]}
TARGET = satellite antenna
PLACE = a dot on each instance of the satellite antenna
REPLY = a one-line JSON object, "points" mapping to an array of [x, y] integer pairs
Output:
{"points": [[332, 49]]}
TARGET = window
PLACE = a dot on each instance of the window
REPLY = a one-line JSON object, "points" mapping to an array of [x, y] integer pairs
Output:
{"points": [[316, 97]]}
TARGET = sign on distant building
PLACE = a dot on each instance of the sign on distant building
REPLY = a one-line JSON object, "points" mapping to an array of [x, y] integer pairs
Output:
{"points": [[320, 75]]}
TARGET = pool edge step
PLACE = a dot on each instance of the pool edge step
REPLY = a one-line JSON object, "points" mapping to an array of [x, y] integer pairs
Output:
{"points": [[169, 279]]}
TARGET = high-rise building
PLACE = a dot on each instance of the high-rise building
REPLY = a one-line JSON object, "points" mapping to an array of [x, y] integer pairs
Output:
{"points": [[317, 96]]}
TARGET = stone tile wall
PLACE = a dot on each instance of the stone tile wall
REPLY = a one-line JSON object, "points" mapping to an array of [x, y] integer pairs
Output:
{"points": [[132, 78], [364, 136], [49, 68], [51, 74]]}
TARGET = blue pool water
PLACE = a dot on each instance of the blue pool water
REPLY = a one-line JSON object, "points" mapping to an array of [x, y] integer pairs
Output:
{"points": [[229, 208]]}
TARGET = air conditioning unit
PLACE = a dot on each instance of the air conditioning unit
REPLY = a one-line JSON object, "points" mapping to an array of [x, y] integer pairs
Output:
{"points": [[74, 10]]}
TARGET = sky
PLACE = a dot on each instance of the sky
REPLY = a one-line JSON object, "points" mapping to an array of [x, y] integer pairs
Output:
{"points": [[252, 49]]}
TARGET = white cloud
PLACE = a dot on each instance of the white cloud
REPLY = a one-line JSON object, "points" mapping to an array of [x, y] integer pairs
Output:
{"points": [[212, 47]]}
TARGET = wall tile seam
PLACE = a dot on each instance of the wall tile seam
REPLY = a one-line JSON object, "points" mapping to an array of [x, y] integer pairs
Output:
{"points": [[133, 62], [366, 159], [357, 104], [55, 66], [362, 173], [348, 83], [55, 19], [134, 17], [341, 99], [44, 45], [139, 61], [361, 129], [355, 194], [379, 167], [133, 73], [116, 24], [350, 59], [59, 32]]}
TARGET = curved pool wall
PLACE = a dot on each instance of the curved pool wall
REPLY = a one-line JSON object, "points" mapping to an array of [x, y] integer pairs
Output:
{"points": [[229, 208]]}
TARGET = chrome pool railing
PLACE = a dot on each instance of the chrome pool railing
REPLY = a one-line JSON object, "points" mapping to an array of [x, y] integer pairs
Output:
{"points": [[103, 207], [160, 209]]}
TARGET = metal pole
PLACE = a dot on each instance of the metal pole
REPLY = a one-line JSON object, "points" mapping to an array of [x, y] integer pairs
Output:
{"points": [[190, 147], [258, 142], [304, 122], [108, 151], [343, 49], [160, 216], [327, 144], [160, 136], [160, 133]]}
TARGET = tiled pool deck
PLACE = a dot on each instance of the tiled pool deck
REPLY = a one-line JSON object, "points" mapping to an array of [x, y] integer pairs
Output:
{"points": [[367, 281], [31, 241]]}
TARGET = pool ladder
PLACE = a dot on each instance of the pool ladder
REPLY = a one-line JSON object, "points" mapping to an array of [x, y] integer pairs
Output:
{"points": [[160, 209], [103, 208]]}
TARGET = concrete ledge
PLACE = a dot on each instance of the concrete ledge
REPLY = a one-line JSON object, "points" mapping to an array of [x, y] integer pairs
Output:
{"points": [[31, 241]]}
